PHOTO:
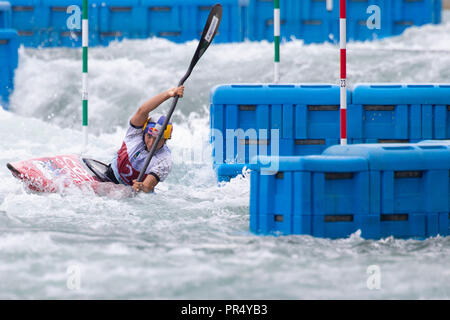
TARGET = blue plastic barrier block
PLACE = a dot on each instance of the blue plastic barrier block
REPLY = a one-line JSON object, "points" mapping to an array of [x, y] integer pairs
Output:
{"points": [[436, 115], [25, 16], [407, 13], [437, 12], [257, 119], [307, 19], [9, 46], [404, 179], [230, 26], [394, 17], [5, 15], [184, 20], [334, 227], [412, 225], [398, 113], [438, 224], [299, 195], [260, 23], [163, 18], [44, 23], [226, 171], [119, 19], [313, 22], [360, 22], [52, 24], [382, 190], [444, 224]]}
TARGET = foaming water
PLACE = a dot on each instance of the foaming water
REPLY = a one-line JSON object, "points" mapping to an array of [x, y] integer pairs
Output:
{"points": [[191, 238]]}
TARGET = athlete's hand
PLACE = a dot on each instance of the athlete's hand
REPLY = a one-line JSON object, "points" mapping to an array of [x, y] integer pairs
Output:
{"points": [[138, 186], [176, 92]]}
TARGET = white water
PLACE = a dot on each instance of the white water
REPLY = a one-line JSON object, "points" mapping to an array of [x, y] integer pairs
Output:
{"points": [[191, 239]]}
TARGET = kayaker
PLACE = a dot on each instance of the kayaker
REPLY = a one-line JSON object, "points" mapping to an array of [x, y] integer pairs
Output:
{"points": [[139, 138]]}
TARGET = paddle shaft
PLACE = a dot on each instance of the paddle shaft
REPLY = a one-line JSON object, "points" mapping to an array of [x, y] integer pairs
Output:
{"points": [[158, 138], [210, 30]]}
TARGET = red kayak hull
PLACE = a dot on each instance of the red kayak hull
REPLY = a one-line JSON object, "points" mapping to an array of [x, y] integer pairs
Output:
{"points": [[52, 174]]}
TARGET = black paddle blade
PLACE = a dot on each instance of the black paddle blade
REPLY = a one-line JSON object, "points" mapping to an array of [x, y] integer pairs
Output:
{"points": [[209, 32]]}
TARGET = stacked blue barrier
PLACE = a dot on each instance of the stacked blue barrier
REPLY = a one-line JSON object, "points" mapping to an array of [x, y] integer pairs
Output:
{"points": [[118, 19], [311, 20], [358, 14], [409, 186], [414, 13], [260, 22], [308, 20], [315, 22], [182, 20], [316, 195], [5, 15], [308, 120], [271, 120], [398, 113], [9, 46], [43, 22], [25, 19], [383, 190], [52, 29]]}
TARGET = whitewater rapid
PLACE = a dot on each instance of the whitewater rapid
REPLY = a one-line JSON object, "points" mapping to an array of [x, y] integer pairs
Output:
{"points": [[190, 239]]}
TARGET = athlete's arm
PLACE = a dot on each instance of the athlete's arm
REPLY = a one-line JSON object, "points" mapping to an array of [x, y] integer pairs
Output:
{"points": [[141, 115], [148, 185]]}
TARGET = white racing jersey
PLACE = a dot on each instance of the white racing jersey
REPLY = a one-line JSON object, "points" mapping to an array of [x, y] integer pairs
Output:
{"points": [[130, 159]]}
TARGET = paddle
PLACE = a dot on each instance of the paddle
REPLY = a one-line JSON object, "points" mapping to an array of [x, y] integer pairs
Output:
{"points": [[210, 30]]}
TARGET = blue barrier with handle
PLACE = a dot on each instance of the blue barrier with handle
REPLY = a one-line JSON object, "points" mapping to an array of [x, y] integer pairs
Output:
{"points": [[406, 180], [25, 19], [118, 19], [52, 24], [307, 118], [408, 13], [383, 190], [42, 22], [265, 119], [362, 17], [404, 175], [9, 46], [398, 113], [260, 19], [301, 195], [315, 22], [5, 15], [183, 20]]}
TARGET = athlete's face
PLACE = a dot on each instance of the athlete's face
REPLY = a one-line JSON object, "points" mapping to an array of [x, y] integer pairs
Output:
{"points": [[149, 140]]}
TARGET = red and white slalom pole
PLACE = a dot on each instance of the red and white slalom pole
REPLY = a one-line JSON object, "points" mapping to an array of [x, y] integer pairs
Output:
{"points": [[343, 49]]}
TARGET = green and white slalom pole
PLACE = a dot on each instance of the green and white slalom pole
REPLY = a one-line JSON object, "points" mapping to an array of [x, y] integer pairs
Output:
{"points": [[276, 33], [85, 43]]}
